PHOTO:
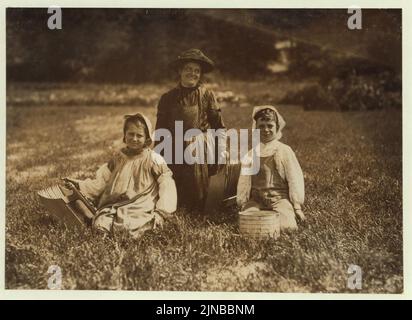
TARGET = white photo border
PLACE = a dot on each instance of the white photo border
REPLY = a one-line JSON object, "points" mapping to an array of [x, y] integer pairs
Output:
{"points": [[279, 4]]}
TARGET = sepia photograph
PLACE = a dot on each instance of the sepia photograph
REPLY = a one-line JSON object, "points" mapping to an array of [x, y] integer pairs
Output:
{"points": [[204, 150]]}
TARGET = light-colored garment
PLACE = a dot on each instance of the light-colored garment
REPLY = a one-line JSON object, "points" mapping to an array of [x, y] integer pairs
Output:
{"points": [[133, 191], [288, 168], [279, 184], [269, 191], [282, 206]]}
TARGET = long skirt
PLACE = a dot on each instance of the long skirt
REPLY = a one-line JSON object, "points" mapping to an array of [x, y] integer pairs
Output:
{"points": [[192, 182], [134, 218]]}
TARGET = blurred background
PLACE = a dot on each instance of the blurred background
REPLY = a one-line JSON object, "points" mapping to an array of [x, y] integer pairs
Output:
{"points": [[290, 56]]}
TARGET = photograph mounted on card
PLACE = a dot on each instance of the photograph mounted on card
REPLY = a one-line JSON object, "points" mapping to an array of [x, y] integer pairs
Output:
{"points": [[204, 150]]}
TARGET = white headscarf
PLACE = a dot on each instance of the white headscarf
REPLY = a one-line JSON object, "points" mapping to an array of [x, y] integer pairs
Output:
{"points": [[146, 121], [268, 149]]}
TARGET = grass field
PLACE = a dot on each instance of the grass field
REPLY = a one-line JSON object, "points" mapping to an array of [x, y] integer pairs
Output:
{"points": [[353, 174]]}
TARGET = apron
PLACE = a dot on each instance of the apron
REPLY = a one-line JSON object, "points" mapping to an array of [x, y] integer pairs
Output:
{"points": [[192, 180]]}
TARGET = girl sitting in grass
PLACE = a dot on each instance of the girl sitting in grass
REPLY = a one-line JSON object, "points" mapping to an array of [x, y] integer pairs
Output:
{"points": [[279, 184], [135, 189]]}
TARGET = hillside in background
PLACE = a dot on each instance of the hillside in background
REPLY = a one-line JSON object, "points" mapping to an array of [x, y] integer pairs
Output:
{"points": [[332, 66], [136, 45], [120, 45]]}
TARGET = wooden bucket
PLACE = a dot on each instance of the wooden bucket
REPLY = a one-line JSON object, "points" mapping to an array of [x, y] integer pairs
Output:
{"points": [[259, 224]]}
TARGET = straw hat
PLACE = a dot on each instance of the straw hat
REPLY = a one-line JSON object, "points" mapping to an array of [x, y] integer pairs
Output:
{"points": [[194, 55]]}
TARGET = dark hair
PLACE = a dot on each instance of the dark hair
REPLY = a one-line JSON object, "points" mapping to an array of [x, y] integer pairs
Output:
{"points": [[136, 119], [267, 115]]}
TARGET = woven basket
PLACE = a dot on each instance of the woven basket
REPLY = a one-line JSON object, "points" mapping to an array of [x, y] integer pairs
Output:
{"points": [[259, 224]]}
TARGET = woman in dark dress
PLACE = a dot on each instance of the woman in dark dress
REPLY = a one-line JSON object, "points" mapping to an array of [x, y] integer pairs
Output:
{"points": [[196, 106]]}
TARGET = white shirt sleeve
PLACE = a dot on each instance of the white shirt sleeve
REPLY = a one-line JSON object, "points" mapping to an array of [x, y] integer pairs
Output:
{"points": [[294, 177], [93, 188], [167, 201]]}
